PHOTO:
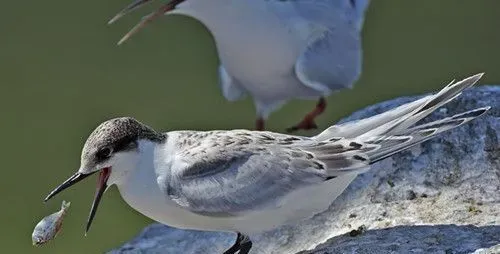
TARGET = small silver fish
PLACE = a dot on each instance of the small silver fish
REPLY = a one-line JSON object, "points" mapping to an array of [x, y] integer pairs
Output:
{"points": [[49, 226]]}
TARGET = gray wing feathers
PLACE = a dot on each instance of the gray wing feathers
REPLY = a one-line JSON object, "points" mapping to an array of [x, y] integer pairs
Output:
{"points": [[332, 61], [239, 173], [396, 121], [342, 156], [231, 88], [245, 184], [355, 128], [447, 94], [425, 132], [325, 12], [333, 58], [250, 170], [452, 121], [393, 132]]}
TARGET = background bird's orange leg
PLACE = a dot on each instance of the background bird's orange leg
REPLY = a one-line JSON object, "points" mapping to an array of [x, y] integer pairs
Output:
{"points": [[308, 122], [259, 124]]}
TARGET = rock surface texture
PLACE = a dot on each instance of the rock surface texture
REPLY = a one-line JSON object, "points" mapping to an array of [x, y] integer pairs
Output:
{"points": [[442, 196]]}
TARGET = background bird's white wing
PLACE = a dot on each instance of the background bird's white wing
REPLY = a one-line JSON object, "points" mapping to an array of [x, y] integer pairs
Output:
{"points": [[325, 12], [229, 173], [332, 61]]}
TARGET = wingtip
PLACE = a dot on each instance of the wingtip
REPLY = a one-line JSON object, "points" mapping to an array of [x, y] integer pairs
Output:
{"points": [[467, 82], [480, 74], [472, 114], [484, 110], [475, 78]]}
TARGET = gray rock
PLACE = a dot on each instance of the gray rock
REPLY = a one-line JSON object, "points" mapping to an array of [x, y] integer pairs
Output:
{"points": [[414, 239], [442, 196], [492, 250]]}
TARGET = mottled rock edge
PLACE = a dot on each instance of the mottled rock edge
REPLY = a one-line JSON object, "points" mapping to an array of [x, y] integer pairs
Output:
{"points": [[443, 196]]}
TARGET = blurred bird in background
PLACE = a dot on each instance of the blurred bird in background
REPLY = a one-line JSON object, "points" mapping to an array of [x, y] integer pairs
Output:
{"points": [[277, 50]]}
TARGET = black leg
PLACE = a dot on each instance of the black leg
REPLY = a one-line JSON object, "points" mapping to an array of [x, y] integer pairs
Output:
{"points": [[236, 246], [242, 244], [245, 245]]}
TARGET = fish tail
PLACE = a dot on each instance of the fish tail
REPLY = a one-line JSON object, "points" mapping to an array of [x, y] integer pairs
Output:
{"points": [[65, 205]]}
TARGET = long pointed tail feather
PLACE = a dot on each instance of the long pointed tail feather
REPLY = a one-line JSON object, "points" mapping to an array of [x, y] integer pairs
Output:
{"points": [[353, 129], [447, 94], [425, 132], [351, 147], [396, 121]]}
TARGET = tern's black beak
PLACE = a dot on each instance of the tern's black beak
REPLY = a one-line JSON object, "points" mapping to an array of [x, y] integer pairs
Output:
{"points": [[101, 187], [77, 177]]}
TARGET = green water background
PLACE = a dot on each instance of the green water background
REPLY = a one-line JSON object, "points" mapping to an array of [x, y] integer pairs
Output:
{"points": [[61, 74]]}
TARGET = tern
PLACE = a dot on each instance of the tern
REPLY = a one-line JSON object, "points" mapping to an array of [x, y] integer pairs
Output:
{"points": [[277, 50], [246, 181]]}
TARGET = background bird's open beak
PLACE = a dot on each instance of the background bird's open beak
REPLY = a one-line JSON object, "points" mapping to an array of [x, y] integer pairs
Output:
{"points": [[131, 7], [139, 3], [145, 20], [77, 177]]}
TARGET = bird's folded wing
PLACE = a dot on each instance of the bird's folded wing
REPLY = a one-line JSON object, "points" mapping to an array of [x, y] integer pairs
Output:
{"points": [[235, 174]]}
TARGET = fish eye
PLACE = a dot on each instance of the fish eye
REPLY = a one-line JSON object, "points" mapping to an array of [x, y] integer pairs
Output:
{"points": [[103, 153]]}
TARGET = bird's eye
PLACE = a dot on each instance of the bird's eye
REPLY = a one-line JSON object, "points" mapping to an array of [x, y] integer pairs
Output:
{"points": [[103, 153]]}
